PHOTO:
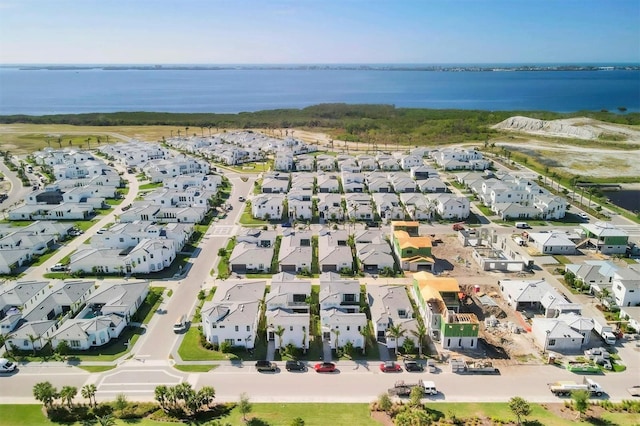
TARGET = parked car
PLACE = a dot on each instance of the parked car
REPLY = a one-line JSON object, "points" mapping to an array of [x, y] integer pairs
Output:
{"points": [[413, 366], [583, 215], [325, 367], [58, 267], [264, 365], [241, 199], [286, 225], [6, 366], [390, 366], [594, 353], [295, 366]]}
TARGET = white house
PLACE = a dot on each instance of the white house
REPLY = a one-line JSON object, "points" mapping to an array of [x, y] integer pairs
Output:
{"points": [[233, 314], [295, 251], [340, 316], [626, 286], [334, 253], [267, 207], [288, 311], [390, 307], [552, 243]]}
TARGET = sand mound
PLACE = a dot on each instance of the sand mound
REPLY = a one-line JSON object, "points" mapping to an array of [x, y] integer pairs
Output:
{"points": [[560, 128]]}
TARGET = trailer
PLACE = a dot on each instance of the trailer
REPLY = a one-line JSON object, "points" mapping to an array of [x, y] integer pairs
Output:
{"points": [[460, 366], [565, 388], [402, 389]]}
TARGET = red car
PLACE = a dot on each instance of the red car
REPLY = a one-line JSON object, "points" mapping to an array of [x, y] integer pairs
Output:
{"points": [[325, 367], [390, 366]]}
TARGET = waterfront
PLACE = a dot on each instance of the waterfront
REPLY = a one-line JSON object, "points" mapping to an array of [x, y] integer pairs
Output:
{"points": [[39, 92], [628, 199]]}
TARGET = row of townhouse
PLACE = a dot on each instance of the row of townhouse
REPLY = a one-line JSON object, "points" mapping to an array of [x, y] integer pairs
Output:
{"points": [[514, 197], [33, 313], [233, 148], [459, 159], [233, 314], [254, 251], [348, 163], [167, 168], [134, 153], [132, 248], [617, 285], [19, 244], [358, 206], [83, 182]]}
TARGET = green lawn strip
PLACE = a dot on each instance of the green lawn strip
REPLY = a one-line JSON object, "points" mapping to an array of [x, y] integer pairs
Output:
{"points": [[149, 186], [247, 218], [83, 225], [97, 368], [194, 368], [312, 414], [317, 414], [150, 305]]}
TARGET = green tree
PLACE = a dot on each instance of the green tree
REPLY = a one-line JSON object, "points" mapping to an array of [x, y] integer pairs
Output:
{"points": [[580, 401], [120, 402], [408, 346], [415, 397], [297, 422], [33, 339], [63, 348], [520, 408], [89, 392], [365, 332], [280, 332], [161, 394], [413, 417], [207, 394], [244, 405], [68, 393], [396, 332], [45, 392], [420, 333], [384, 402]]}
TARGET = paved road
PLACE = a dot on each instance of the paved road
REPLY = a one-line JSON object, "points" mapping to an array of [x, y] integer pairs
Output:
{"points": [[17, 193]]}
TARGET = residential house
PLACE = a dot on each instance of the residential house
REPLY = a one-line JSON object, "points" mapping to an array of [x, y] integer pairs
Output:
{"points": [[407, 162], [340, 317], [433, 185], [625, 286], [537, 295], [275, 183], [438, 300], [414, 252], [632, 315], [295, 251], [606, 237], [359, 207], [330, 207], [251, 258], [451, 206], [388, 206], [334, 252], [232, 316], [390, 307], [283, 162], [328, 183], [561, 335], [417, 206], [552, 243], [267, 207], [288, 311], [16, 298]]}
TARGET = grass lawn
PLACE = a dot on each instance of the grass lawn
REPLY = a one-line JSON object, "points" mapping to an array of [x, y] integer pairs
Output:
{"points": [[312, 414], [190, 349], [150, 305], [97, 368], [83, 225], [247, 218], [194, 368], [279, 414], [148, 186]]}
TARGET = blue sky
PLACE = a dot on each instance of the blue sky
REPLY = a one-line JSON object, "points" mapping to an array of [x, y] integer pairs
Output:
{"points": [[318, 31]]}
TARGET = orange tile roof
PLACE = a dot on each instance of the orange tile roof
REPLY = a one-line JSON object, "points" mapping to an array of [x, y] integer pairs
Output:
{"points": [[405, 240]]}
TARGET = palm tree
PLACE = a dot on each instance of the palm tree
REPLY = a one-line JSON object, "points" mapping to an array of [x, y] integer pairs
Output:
{"points": [[89, 392], [337, 333], [279, 332], [420, 332], [186, 132], [106, 420], [33, 339], [45, 392], [365, 331], [207, 395], [396, 332], [68, 393]]}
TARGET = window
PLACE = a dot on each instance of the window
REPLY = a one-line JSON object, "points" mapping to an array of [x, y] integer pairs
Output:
{"points": [[350, 297], [237, 328], [222, 326], [248, 328], [348, 328], [552, 342], [290, 328], [229, 341], [214, 326]]}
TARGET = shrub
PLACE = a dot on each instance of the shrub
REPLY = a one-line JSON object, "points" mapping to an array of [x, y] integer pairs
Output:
{"points": [[225, 347]]}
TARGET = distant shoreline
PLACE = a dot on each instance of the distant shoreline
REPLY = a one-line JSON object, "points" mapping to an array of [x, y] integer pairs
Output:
{"points": [[318, 67]]}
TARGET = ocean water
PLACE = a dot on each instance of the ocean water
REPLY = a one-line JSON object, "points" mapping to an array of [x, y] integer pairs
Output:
{"points": [[39, 92]]}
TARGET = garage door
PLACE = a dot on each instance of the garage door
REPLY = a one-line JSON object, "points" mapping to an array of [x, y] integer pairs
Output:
{"points": [[287, 268], [239, 267], [329, 268], [424, 267]]}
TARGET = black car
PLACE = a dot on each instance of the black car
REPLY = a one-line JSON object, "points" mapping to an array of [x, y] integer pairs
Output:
{"points": [[295, 366], [413, 366], [266, 366]]}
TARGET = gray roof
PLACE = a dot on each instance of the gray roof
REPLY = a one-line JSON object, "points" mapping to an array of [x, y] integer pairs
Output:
{"points": [[240, 292], [123, 294], [385, 301], [17, 294]]}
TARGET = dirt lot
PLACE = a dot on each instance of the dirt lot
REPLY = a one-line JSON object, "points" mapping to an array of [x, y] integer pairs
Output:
{"points": [[501, 343]]}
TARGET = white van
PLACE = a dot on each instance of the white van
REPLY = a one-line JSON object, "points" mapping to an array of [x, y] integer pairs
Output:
{"points": [[429, 388], [180, 324], [522, 225], [6, 366]]}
